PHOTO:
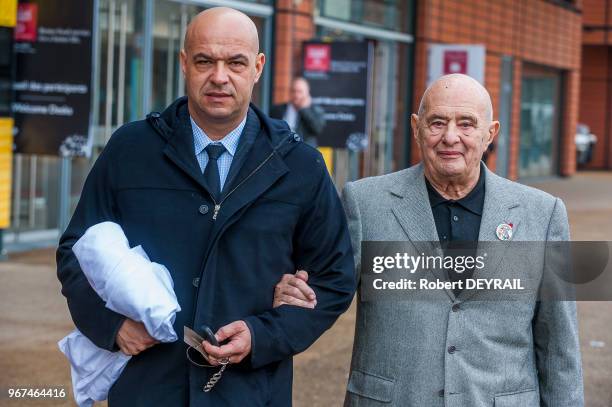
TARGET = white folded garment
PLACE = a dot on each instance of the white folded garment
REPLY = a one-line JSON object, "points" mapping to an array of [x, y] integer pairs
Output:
{"points": [[131, 285], [93, 370]]}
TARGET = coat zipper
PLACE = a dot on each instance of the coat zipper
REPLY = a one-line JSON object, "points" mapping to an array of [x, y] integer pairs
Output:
{"points": [[218, 205]]}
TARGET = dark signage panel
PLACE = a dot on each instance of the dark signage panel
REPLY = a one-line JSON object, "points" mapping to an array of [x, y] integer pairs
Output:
{"points": [[53, 57], [339, 77]]}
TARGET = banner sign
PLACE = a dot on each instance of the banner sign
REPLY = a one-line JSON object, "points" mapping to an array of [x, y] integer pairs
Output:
{"points": [[6, 161], [339, 76], [447, 59], [8, 13], [53, 57]]}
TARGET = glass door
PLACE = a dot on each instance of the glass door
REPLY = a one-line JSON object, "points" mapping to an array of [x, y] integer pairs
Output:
{"points": [[171, 20], [118, 80], [379, 157], [388, 114], [539, 138]]}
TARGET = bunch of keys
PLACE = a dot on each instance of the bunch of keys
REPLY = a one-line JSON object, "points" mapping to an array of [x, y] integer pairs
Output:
{"points": [[194, 341]]}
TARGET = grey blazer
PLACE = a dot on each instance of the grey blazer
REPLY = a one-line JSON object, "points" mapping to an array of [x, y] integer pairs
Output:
{"points": [[508, 353]]}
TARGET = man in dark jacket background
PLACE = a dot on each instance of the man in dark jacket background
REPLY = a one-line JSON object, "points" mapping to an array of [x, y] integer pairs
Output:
{"points": [[303, 117], [229, 201]]}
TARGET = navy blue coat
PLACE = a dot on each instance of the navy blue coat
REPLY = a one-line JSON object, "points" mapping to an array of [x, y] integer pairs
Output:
{"points": [[281, 213]]}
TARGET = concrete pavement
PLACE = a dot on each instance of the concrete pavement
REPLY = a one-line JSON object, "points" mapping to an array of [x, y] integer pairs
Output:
{"points": [[321, 372]]}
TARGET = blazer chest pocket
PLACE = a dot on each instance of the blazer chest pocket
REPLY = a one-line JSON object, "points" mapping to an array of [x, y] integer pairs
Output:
{"points": [[526, 398], [371, 386]]}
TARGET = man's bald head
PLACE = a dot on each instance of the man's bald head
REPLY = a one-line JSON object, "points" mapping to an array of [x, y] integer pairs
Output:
{"points": [[221, 64], [453, 129], [462, 86], [218, 22]]}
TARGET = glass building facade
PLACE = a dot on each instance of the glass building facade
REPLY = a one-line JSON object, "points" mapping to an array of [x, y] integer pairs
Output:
{"points": [[388, 25], [136, 70]]}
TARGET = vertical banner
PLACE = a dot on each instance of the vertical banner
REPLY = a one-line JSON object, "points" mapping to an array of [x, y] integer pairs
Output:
{"points": [[53, 57], [6, 160], [339, 74], [328, 157], [8, 13]]}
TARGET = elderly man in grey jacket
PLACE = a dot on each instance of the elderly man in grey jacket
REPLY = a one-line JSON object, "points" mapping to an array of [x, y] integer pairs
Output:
{"points": [[458, 350]]}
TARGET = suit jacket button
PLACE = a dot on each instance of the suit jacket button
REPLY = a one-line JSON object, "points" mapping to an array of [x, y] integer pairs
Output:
{"points": [[456, 307], [203, 209], [196, 282], [451, 349], [441, 393]]}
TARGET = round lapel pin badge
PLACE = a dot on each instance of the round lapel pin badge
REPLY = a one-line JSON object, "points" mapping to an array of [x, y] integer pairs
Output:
{"points": [[504, 231]]}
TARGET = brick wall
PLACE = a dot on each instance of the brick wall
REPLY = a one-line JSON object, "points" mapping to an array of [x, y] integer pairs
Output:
{"points": [[595, 105], [294, 24], [532, 31], [596, 80], [597, 15]]}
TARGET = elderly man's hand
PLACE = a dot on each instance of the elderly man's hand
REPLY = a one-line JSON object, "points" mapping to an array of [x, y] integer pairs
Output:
{"points": [[293, 290], [133, 338], [237, 348]]}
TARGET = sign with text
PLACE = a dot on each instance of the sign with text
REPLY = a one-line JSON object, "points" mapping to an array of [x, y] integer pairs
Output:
{"points": [[455, 62], [447, 59], [53, 57], [339, 76]]}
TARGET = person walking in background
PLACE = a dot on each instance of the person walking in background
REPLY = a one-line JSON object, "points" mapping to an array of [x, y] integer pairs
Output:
{"points": [[303, 117]]}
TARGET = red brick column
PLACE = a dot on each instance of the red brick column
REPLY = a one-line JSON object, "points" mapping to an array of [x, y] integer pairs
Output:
{"points": [[294, 25], [570, 120]]}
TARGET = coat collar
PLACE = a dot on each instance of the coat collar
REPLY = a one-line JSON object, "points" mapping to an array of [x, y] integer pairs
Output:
{"points": [[252, 128], [258, 164], [167, 122], [500, 206], [413, 212], [179, 147], [174, 126]]}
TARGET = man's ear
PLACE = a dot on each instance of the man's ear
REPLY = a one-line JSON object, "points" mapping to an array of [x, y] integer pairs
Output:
{"points": [[414, 123], [260, 61], [183, 59], [492, 133]]}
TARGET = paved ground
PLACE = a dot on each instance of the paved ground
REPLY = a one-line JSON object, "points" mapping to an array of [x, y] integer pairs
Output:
{"points": [[34, 317]]}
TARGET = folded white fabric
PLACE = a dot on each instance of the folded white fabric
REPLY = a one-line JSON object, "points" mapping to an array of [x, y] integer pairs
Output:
{"points": [[93, 370], [131, 285]]}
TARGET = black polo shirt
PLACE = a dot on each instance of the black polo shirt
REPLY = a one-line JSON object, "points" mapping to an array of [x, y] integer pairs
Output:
{"points": [[458, 222]]}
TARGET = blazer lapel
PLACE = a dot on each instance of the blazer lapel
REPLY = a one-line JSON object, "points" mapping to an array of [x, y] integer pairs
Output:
{"points": [[413, 213], [499, 207]]}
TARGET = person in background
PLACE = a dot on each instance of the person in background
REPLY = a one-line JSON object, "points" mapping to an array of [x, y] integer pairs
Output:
{"points": [[303, 117]]}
